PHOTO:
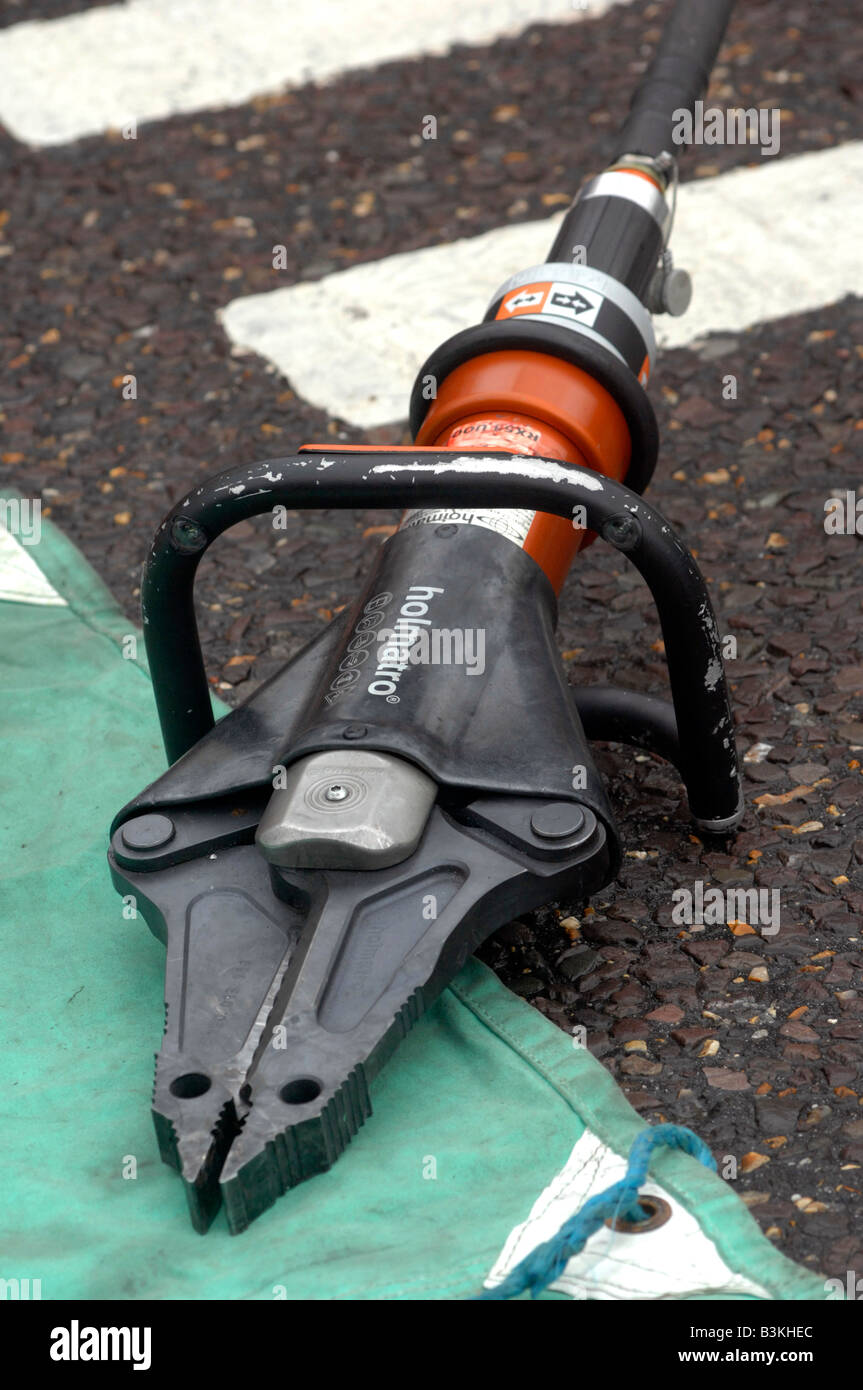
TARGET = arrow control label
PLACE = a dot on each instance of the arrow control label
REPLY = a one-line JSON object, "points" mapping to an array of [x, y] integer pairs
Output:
{"points": [[558, 299], [572, 302], [527, 300]]}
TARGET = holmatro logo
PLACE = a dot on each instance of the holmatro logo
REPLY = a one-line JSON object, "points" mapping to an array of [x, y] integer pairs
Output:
{"points": [[394, 655]]}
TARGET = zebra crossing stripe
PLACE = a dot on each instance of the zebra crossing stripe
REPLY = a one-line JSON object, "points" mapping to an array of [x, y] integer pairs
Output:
{"points": [[63, 79], [761, 242]]}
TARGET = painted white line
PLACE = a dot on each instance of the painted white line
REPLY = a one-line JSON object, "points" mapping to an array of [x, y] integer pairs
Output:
{"points": [[763, 242], [62, 79]]}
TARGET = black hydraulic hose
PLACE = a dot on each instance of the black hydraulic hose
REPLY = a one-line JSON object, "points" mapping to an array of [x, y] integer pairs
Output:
{"points": [[677, 77], [627, 716]]}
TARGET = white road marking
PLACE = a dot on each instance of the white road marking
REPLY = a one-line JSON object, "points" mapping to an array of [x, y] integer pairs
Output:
{"points": [[62, 79], [780, 238]]}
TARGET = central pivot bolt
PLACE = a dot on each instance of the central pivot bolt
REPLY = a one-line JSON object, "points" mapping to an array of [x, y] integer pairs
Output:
{"points": [[559, 820], [147, 832], [336, 793]]}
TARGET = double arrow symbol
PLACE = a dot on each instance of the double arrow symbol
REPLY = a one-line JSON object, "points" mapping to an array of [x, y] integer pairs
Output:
{"points": [[522, 300], [574, 301]]}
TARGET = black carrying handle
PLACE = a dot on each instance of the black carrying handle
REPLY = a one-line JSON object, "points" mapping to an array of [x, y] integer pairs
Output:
{"points": [[677, 77], [428, 478]]}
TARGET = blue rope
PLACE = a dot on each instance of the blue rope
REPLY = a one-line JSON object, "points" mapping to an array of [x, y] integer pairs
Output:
{"points": [[547, 1262]]}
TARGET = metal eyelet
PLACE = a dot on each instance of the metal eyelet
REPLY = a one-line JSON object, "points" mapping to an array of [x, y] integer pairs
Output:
{"points": [[656, 1213]]}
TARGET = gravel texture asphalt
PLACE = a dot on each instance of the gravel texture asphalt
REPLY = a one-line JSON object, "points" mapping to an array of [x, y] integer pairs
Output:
{"points": [[117, 254]]}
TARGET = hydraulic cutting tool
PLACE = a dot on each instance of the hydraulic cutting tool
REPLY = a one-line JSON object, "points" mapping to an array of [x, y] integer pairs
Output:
{"points": [[321, 861]]}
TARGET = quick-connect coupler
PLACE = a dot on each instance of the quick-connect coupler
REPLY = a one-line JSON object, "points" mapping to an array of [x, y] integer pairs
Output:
{"points": [[559, 365]]}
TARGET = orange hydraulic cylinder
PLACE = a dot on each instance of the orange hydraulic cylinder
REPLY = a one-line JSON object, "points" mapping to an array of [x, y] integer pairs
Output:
{"points": [[531, 403]]}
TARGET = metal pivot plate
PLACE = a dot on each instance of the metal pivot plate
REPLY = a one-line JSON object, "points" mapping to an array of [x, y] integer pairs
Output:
{"points": [[351, 810]]}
